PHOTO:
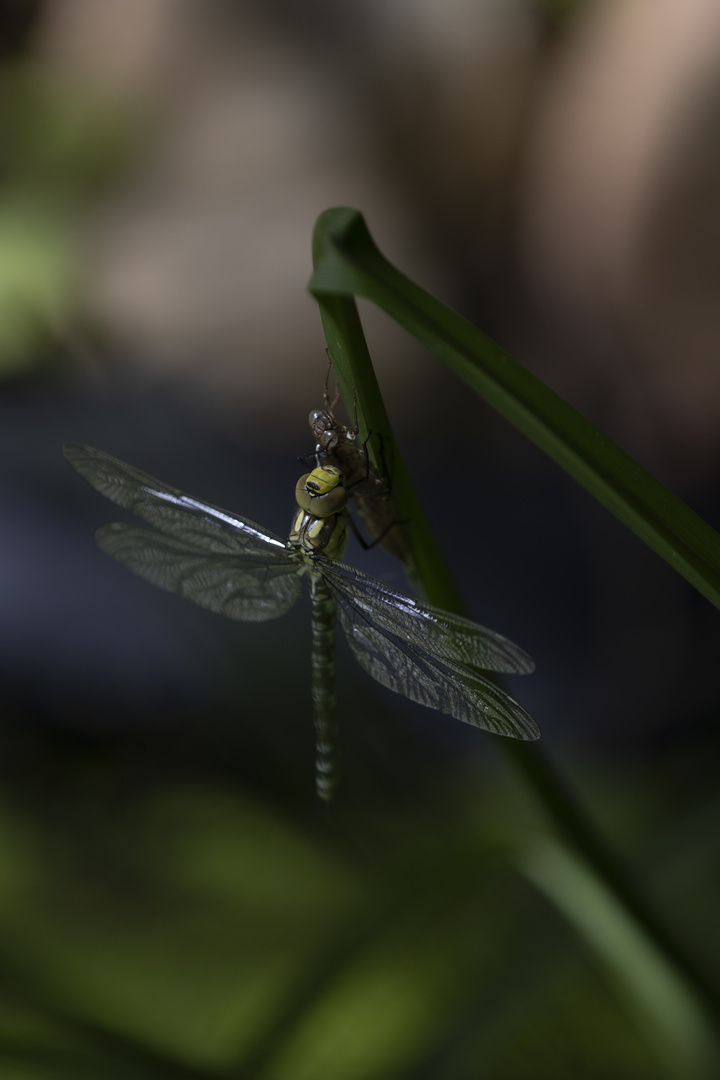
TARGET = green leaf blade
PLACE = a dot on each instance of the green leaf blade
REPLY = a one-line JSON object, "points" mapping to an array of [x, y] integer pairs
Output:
{"points": [[348, 263]]}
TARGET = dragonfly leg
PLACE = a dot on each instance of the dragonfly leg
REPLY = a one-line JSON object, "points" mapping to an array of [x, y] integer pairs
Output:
{"points": [[368, 545], [383, 478], [330, 405]]}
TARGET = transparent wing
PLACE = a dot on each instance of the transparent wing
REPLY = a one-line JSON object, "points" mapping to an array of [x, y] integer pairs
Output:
{"points": [[447, 637], [409, 669], [247, 587], [175, 514]]}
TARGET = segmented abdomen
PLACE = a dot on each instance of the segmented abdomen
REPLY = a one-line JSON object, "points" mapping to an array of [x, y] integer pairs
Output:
{"points": [[323, 687]]}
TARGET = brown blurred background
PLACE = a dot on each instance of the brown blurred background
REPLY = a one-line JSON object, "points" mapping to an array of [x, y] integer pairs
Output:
{"points": [[549, 165]]}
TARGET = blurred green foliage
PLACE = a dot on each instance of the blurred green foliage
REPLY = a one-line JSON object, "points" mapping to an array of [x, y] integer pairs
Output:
{"points": [[59, 148], [181, 928], [38, 279], [217, 934]]}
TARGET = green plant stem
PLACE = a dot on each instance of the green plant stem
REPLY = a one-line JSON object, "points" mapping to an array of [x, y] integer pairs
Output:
{"points": [[361, 395], [346, 263], [573, 822], [121, 1051]]}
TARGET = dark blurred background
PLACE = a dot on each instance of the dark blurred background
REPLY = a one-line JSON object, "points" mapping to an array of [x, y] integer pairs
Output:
{"points": [[550, 168]]}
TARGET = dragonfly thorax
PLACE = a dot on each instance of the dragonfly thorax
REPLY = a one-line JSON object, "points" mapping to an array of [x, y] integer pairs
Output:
{"points": [[319, 536]]}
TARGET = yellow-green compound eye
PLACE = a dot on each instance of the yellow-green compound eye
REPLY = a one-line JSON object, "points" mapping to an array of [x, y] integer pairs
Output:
{"points": [[332, 503], [320, 492], [302, 495]]}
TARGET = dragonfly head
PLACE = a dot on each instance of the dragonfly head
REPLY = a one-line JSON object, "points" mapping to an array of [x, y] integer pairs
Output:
{"points": [[321, 492]]}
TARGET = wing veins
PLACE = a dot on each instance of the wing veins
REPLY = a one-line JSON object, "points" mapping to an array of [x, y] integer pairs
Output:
{"points": [[239, 588], [443, 634], [166, 508], [486, 705]]}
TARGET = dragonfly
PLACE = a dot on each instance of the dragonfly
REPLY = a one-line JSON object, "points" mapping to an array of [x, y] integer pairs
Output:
{"points": [[231, 566], [337, 445]]}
